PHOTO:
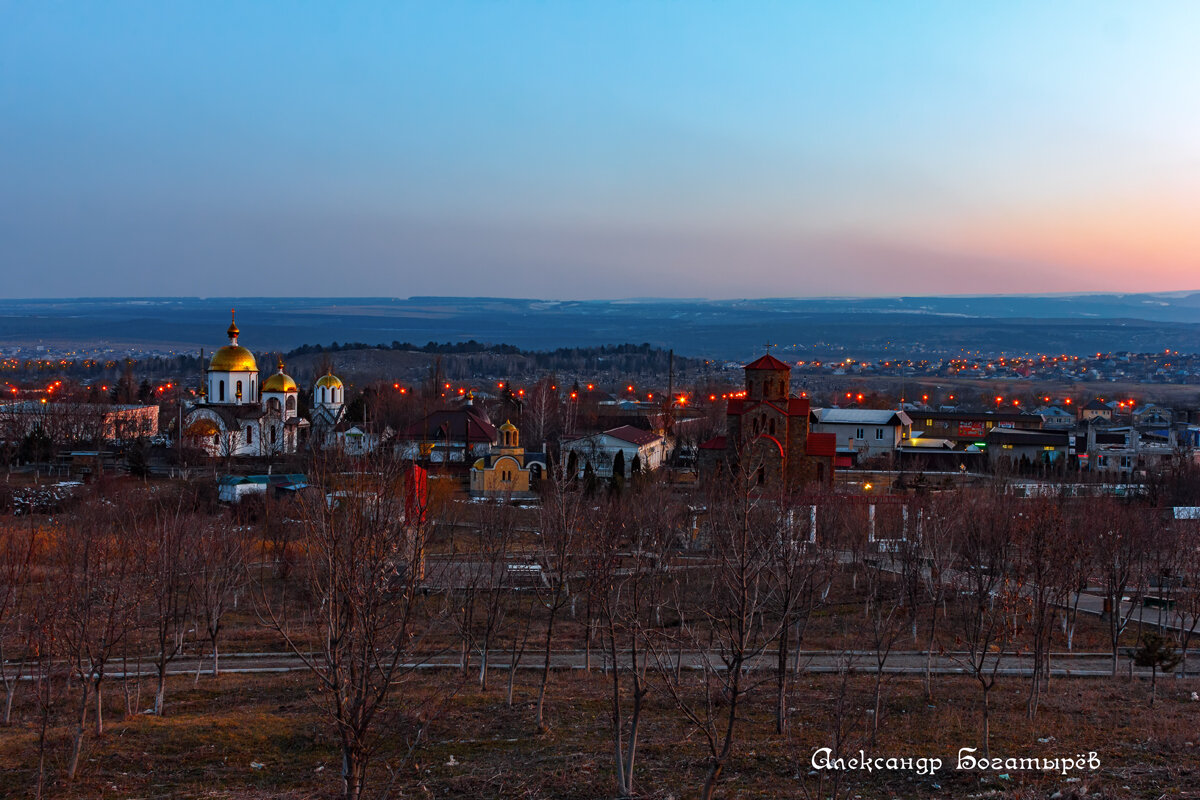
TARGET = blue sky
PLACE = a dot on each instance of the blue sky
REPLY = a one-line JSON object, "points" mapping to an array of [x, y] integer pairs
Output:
{"points": [[598, 149]]}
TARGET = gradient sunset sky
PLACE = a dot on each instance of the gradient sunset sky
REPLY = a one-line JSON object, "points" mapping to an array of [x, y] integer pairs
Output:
{"points": [[598, 149]]}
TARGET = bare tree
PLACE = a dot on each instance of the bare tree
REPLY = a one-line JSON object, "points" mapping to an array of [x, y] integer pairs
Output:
{"points": [[563, 516], [730, 630], [989, 591], [884, 622], [18, 546], [1186, 594], [362, 585], [219, 574], [497, 532], [94, 562], [1119, 551], [937, 547], [163, 538], [1047, 575], [801, 571], [630, 573]]}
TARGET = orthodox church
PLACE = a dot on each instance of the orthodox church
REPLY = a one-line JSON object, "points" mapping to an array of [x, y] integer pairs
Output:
{"points": [[767, 433], [236, 415]]}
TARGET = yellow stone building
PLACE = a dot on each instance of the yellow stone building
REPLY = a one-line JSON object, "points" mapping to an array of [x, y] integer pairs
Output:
{"points": [[506, 471]]}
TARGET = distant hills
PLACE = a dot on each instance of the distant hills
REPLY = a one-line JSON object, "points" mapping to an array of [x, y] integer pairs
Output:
{"points": [[726, 329]]}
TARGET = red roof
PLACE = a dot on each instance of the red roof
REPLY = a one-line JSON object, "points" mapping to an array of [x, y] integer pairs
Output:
{"points": [[767, 362], [628, 433], [466, 423], [715, 443], [822, 444]]}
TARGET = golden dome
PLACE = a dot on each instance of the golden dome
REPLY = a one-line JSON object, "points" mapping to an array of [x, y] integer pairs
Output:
{"points": [[233, 358], [329, 381], [279, 383], [508, 426]]}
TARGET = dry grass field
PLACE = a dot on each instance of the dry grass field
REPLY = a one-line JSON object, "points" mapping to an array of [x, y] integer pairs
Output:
{"points": [[243, 736]]}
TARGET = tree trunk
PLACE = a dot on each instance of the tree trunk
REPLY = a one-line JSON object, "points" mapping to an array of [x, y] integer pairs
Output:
{"points": [[541, 701], [781, 680], [99, 709], [710, 781], [77, 743], [161, 691], [929, 656], [354, 771], [987, 707]]}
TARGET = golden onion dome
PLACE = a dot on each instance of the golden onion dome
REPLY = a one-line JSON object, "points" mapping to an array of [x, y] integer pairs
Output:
{"points": [[233, 358], [329, 381], [279, 382], [508, 426]]}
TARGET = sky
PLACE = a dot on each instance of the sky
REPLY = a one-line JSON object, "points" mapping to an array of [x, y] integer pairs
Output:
{"points": [[590, 149]]}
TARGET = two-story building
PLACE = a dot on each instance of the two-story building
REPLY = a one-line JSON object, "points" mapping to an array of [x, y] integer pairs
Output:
{"points": [[863, 432]]}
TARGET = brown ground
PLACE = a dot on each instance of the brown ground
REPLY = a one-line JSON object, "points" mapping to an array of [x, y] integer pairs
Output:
{"points": [[213, 732]]}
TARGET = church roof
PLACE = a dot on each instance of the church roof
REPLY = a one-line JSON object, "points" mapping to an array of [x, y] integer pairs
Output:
{"points": [[466, 423], [767, 362], [628, 433]]}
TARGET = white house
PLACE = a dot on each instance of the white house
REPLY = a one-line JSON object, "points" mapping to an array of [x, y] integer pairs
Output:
{"points": [[599, 450], [867, 432], [1055, 417]]}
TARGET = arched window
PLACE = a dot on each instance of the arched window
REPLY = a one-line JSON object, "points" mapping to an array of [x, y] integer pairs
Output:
{"points": [[221, 392], [291, 403], [272, 434], [322, 394], [772, 427], [249, 435], [239, 390]]}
